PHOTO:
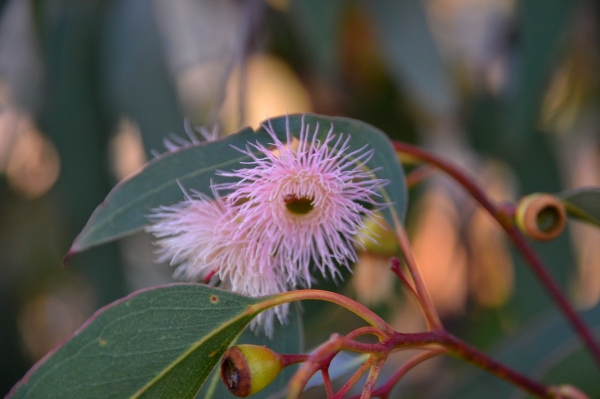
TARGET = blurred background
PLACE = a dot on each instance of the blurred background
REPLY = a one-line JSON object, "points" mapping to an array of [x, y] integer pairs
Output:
{"points": [[506, 88]]}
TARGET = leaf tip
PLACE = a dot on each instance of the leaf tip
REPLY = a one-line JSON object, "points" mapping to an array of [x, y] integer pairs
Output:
{"points": [[68, 257]]}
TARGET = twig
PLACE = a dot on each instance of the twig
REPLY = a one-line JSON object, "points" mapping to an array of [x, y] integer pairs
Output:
{"points": [[398, 272], [372, 378], [327, 382], [384, 391], [431, 315], [515, 235]]}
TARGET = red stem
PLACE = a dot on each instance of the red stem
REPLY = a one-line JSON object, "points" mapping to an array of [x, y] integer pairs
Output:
{"points": [[462, 350], [418, 175], [466, 352], [517, 238], [327, 382], [398, 272], [385, 390], [372, 378], [289, 359], [399, 341], [354, 379]]}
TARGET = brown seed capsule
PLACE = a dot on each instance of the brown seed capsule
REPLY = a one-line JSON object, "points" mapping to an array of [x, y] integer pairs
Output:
{"points": [[541, 217], [247, 369]]}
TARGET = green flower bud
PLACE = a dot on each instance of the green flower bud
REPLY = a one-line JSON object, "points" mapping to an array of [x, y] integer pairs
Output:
{"points": [[247, 369], [383, 238], [541, 217]]}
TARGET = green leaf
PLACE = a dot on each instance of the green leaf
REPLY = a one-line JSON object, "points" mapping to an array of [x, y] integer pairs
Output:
{"points": [[384, 162], [160, 342], [583, 203], [411, 54], [317, 23], [134, 73], [125, 209], [543, 25]]}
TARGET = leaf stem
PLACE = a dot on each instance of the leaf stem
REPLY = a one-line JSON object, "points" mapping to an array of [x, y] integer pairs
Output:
{"points": [[515, 235]]}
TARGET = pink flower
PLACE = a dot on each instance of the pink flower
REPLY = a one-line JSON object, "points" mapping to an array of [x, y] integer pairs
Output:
{"points": [[194, 235], [302, 201], [297, 205]]}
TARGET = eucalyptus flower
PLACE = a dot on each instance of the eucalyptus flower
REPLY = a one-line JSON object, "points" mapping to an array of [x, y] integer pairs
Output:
{"points": [[295, 204]]}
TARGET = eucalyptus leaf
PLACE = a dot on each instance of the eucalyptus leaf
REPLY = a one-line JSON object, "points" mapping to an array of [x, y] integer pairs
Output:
{"points": [[543, 25], [317, 23], [411, 54], [159, 342], [583, 203], [125, 209], [134, 74]]}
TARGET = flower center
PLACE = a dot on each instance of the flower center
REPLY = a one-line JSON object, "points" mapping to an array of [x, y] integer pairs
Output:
{"points": [[298, 205]]}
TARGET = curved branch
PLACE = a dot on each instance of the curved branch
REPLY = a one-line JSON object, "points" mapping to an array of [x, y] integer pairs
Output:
{"points": [[534, 261]]}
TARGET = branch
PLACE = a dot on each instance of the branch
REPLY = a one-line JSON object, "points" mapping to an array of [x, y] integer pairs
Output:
{"points": [[535, 263]]}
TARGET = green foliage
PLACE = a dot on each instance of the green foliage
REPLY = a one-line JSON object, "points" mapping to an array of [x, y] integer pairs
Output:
{"points": [[107, 60], [542, 27], [583, 204], [411, 53], [126, 208], [160, 342]]}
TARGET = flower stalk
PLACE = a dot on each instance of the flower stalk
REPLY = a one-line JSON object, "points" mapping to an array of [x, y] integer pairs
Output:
{"points": [[431, 315], [327, 296]]}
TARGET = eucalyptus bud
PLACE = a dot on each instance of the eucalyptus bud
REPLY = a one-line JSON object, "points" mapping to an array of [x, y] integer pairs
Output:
{"points": [[247, 369], [377, 237], [541, 217]]}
